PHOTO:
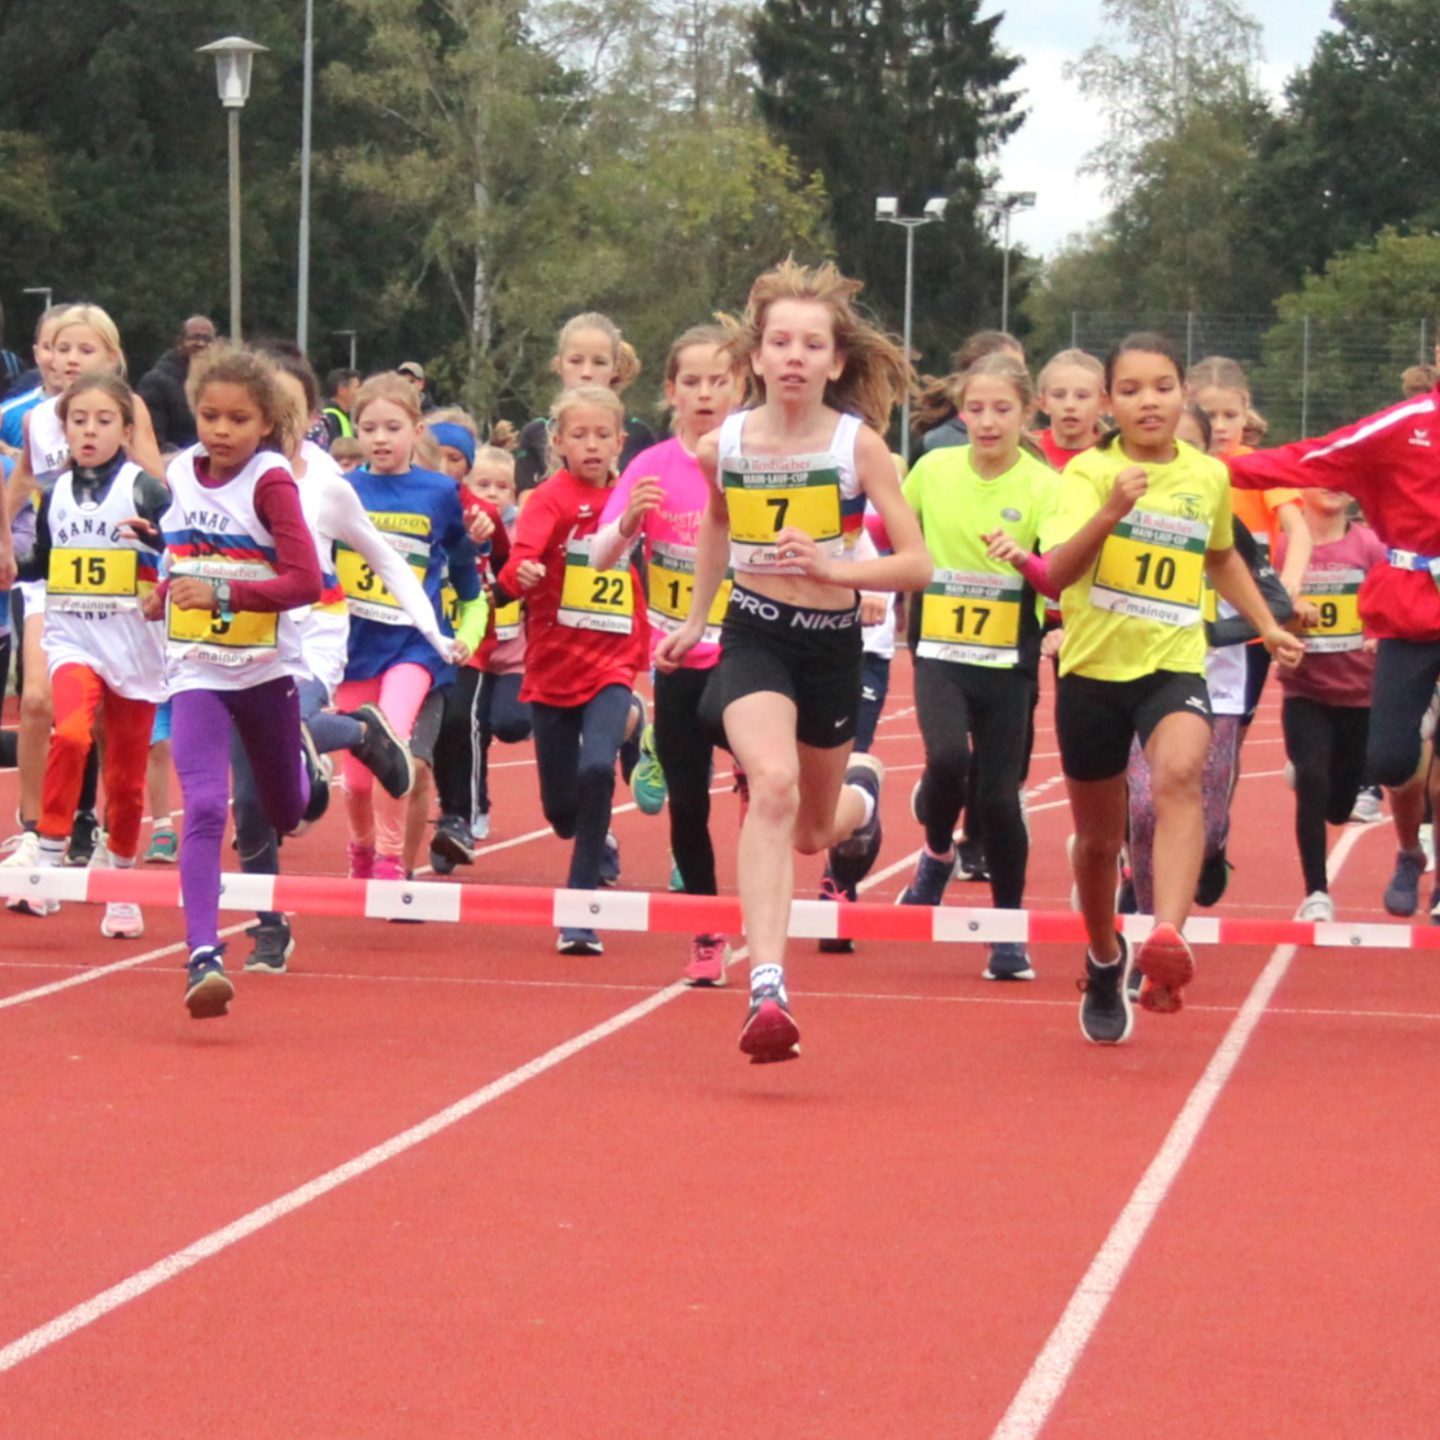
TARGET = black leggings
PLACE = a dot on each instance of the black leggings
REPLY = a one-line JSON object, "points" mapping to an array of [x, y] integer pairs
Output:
{"points": [[955, 703], [1405, 676], [685, 748], [1326, 745], [498, 714]]}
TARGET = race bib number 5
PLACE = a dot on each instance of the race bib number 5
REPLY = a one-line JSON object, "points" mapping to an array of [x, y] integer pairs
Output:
{"points": [[1152, 567], [971, 619], [593, 599]]}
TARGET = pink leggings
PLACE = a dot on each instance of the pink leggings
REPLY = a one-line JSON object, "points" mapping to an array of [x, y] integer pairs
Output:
{"points": [[376, 817]]}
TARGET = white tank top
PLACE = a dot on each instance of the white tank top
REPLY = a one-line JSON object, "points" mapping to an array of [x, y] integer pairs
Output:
{"points": [[325, 625], [765, 494], [96, 582], [218, 535], [49, 449]]}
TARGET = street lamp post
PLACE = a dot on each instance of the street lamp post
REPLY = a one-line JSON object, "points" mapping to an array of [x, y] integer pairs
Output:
{"points": [[302, 290], [887, 211], [1005, 203], [350, 335], [45, 290], [233, 59]]}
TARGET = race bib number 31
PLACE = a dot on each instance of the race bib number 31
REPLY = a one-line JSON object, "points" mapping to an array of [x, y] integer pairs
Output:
{"points": [[1336, 595], [593, 599], [1152, 567], [971, 619], [366, 593]]}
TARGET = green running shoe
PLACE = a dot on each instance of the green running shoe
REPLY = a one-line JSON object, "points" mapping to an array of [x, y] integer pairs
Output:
{"points": [[647, 781]]}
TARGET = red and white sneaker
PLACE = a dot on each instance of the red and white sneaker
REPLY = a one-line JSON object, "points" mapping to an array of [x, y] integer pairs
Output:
{"points": [[123, 921], [770, 1033], [708, 957], [1167, 965]]}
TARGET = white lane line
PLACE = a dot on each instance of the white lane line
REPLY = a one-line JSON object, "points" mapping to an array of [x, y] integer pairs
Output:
{"points": [[1056, 1362]]}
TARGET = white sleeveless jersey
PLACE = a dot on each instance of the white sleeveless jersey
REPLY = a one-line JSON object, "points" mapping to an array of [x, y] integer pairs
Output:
{"points": [[325, 625], [765, 494], [49, 449], [216, 534], [96, 582]]}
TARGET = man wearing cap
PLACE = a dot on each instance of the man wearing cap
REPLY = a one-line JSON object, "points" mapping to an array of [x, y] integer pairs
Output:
{"points": [[414, 372]]}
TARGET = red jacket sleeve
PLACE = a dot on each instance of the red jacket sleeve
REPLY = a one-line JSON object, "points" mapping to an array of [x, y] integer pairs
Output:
{"points": [[534, 536], [297, 579]]}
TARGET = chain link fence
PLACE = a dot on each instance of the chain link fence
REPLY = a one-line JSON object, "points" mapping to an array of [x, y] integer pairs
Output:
{"points": [[1307, 375]]}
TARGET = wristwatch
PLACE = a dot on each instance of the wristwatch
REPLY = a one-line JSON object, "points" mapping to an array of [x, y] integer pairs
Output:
{"points": [[222, 598]]}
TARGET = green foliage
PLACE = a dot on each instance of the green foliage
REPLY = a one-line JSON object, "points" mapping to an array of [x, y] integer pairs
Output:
{"points": [[1346, 334], [905, 98]]}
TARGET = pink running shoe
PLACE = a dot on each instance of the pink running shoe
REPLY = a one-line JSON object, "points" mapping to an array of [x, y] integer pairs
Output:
{"points": [[362, 861], [1167, 964], [387, 867], [770, 1034], [708, 954]]}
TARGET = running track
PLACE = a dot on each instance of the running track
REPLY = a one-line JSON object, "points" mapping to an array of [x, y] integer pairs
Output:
{"points": [[950, 1218]]}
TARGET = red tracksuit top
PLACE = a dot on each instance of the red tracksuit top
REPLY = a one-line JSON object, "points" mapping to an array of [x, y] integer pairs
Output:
{"points": [[1390, 463]]}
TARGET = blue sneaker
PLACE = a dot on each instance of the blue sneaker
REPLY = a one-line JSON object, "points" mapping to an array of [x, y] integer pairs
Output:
{"points": [[579, 942], [1402, 894], [610, 861], [931, 878], [1008, 961], [208, 990]]}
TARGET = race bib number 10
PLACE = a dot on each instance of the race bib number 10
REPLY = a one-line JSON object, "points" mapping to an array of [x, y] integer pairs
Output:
{"points": [[1152, 567]]}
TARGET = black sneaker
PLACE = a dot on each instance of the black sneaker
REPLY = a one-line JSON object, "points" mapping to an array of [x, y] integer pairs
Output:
{"points": [[1402, 894], [829, 890], [770, 1034], [208, 990], [576, 941], [1214, 877], [451, 845], [851, 860], [271, 947], [931, 878], [1008, 961], [1105, 1014], [970, 861], [82, 838], [319, 772], [383, 752]]}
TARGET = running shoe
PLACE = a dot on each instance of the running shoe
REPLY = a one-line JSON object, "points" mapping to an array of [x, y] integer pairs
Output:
{"points": [[383, 752], [647, 779], [970, 862], [853, 858], [208, 989], [1402, 894], [164, 846], [677, 880], [82, 838], [361, 861], [630, 747], [708, 956], [319, 769], [1168, 965], [1214, 879], [1316, 909], [931, 877], [271, 946], [100, 855], [123, 921], [770, 1033], [1369, 808], [610, 861], [25, 855], [388, 867], [1008, 961], [451, 844], [830, 889], [1105, 1014], [576, 941], [480, 825]]}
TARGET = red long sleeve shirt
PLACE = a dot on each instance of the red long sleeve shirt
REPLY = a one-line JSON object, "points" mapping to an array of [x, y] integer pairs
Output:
{"points": [[1390, 463]]}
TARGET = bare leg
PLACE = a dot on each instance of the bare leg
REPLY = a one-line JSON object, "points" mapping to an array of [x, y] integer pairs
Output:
{"points": [[1099, 808], [36, 718]]}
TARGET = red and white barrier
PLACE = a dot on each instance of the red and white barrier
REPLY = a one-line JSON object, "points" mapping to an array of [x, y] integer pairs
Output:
{"points": [[663, 912]]}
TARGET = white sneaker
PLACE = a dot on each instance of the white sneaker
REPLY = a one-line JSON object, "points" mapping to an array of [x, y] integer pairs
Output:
{"points": [[480, 826], [1368, 808], [24, 852], [1317, 909], [123, 921]]}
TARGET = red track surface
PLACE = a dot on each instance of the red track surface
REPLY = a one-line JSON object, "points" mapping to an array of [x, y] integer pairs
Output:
{"points": [[651, 1238]]}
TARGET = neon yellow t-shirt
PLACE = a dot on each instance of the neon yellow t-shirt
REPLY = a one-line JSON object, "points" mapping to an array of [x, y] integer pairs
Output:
{"points": [[971, 610], [1139, 609]]}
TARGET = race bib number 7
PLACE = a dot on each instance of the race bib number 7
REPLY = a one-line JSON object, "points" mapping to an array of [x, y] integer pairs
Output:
{"points": [[765, 495], [1152, 567]]}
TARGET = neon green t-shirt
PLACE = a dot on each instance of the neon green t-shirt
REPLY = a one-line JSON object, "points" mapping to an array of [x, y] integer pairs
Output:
{"points": [[1139, 609]]}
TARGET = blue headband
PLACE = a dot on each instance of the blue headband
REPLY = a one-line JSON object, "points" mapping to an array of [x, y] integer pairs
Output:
{"points": [[457, 437]]}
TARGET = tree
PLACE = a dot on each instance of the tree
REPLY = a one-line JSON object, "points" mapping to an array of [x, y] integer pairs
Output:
{"points": [[1346, 334], [1355, 147], [905, 98]]}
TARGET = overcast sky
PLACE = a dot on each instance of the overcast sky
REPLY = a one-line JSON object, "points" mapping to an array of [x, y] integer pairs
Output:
{"points": [[1047, 154]]}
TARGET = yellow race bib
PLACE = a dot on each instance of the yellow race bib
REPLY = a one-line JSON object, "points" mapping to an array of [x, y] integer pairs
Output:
{"points": [[247, 631], [593, 599], [367, 595], [767, 494], [672, 590], [1152, 567], [971, 619], [1336, 594], [507, 622], [111, 573]]}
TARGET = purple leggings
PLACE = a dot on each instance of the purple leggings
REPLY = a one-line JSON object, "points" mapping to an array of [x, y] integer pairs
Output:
{"points": [[1217, 786], [267, 719]]}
